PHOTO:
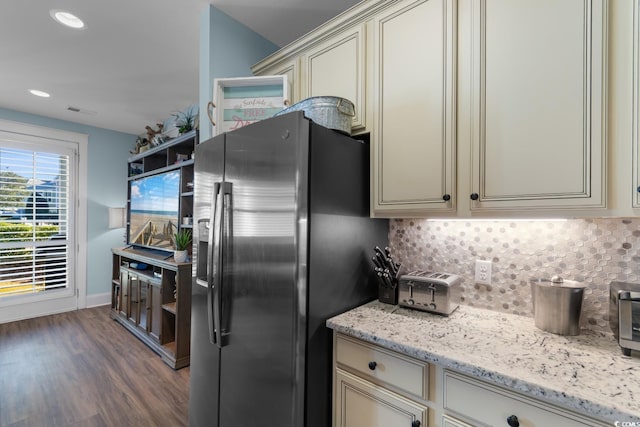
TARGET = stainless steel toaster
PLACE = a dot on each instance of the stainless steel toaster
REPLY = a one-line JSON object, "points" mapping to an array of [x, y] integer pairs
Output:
{"points": [[624, 315], [428, 291]]}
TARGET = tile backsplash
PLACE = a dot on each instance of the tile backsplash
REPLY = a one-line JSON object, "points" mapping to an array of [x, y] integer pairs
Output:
{"points": [[595, 251]]}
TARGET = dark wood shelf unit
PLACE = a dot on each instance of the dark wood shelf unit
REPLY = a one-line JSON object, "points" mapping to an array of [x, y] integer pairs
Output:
{"points": [[164, 158], [166, 153], [154, 304], [171, 307]]}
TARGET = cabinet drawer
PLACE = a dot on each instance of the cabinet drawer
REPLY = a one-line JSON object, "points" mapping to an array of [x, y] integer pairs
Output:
{"points": [[380, 365], [491, 406]]}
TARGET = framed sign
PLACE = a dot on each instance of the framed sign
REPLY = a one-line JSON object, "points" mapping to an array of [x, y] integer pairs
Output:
{"points": [[240, 101]]}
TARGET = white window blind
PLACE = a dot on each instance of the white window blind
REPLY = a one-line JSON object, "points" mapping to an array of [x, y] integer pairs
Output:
{"points": [[35, 218]]}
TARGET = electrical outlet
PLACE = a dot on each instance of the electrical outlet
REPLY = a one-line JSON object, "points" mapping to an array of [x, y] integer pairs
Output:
{"points": [[483, 272]]}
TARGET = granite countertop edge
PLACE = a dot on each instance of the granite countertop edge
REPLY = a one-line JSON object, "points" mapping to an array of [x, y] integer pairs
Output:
{"points": [[351, 323]]}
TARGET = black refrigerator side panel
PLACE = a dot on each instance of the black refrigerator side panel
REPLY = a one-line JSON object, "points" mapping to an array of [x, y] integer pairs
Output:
{"points": [[341, 241], [204, 368]]}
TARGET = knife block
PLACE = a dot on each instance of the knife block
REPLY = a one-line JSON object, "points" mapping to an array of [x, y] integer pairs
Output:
{"points": [[388, 295]]}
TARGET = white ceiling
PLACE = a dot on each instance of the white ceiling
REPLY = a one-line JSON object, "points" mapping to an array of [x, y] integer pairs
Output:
{"points": [[135, 63]]}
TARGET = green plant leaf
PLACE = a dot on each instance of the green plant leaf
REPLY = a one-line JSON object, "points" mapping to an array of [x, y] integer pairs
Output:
{"points": [[182, 239]]}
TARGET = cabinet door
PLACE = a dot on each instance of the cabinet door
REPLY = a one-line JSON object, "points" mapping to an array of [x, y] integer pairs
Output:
{"points": [[336, 67], [124, 293], [144, 307], [290, 68], [538, 110], [636, 105], [155, 311], [362, 404], [448, 421], [413, 136], [134, 298]]}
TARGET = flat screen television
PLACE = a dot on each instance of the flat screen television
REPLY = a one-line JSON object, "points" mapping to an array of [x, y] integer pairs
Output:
{"points": [[153, 216]]}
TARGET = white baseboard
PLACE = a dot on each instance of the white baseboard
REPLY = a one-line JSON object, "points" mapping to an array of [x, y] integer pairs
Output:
{"points": [[96, 300]]}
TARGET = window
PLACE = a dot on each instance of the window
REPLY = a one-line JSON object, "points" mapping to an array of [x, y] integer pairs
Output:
{"points": [[35, 217], [51, 151]]}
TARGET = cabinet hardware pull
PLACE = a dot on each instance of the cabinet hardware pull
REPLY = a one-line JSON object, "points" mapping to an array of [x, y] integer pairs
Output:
{"points": [[446, 197], [474, 196], [372, 365], [512, 420], [416, 423], [638, 189]]}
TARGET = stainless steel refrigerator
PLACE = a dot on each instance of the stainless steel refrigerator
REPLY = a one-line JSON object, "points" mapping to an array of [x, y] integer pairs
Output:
{"points": [[282, 238]]}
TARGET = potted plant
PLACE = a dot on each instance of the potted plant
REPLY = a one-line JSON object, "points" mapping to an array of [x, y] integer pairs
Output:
{"points": [[186, 120], [181, 242]]}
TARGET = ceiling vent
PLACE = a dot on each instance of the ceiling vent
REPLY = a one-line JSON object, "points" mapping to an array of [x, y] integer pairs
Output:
{"points": [[81, 111]]}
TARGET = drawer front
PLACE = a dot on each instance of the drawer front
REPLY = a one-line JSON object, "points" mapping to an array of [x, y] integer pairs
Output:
{"points": [[400, 372], [491, 406]]}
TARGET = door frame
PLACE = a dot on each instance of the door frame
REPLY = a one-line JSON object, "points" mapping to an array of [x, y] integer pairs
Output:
{"points": [[25, 308]]}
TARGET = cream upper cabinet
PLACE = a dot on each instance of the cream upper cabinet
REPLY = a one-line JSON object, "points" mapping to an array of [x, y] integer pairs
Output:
{"points": [[413, 134], [636, 105], [538, 95], [485, 106], [336, 67], [289, 67]]}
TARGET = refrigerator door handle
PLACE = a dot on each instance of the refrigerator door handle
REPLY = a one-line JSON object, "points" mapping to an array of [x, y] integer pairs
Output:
{"points": [[211, 257], [221, 243]]}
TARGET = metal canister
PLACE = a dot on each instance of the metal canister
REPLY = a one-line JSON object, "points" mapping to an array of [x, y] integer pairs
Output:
{"points": [[332, 112], [557, 304]]}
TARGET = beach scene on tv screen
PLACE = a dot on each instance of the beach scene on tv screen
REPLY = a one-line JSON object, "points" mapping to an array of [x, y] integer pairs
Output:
{"points": [[154, 210]]}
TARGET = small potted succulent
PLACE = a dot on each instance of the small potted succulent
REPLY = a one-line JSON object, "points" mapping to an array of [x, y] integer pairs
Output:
{"points": [[181, 242]]}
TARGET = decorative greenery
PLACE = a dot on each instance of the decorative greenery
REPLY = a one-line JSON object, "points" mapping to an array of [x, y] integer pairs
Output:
{"points": [[20, 232], [12, 232], [182, 239], [14, 190], [186, 120]]}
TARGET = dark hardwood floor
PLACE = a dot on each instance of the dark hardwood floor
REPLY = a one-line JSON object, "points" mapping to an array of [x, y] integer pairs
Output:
{"points": [[84, 369]]}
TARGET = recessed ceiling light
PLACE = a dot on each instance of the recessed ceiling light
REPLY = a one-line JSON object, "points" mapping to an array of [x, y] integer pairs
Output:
{"points": [[67, 18], [39, 93]]}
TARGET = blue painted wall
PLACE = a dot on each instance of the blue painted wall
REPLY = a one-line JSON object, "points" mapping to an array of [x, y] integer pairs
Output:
{"points": [[227, 49], [106, 187]]}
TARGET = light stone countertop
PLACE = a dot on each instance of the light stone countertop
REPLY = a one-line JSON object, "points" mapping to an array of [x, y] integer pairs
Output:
{"points": [[586, 373]]}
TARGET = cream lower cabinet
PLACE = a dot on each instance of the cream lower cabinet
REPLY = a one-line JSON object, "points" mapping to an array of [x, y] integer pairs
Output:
{"points": [[448, 421], [375, 387], [336, 67], [536, 72], [413, 134], [467, 400], [363, 404]]}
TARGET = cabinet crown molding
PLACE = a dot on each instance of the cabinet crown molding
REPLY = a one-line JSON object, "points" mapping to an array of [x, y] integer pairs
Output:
{"points": [[355, 15]]}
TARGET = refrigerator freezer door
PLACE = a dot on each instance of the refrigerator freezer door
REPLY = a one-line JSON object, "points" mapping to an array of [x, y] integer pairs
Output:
{"points": [[205, 356], [260, 374]]}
